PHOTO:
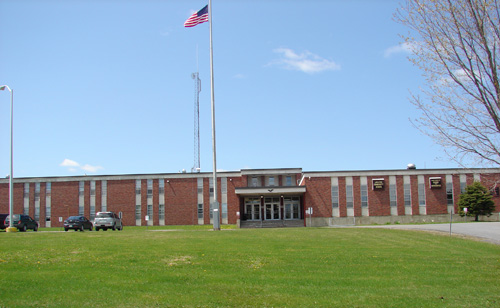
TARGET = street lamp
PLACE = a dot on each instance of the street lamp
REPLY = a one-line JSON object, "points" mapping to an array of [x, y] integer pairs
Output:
{"points": [[11, 176]]}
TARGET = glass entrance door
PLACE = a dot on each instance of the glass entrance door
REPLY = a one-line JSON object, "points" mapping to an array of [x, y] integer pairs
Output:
{"points": [[272, 206], [252, 208], [292, 207]]}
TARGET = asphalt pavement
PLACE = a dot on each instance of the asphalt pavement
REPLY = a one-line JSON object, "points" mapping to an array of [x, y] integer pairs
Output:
{"points": [[484, 231]]}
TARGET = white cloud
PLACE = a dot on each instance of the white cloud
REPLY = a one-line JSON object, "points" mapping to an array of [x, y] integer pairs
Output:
{"points": [[406, 48], [69, 163], [306, 62], [73, 166], [460, 74], [90, 168]]}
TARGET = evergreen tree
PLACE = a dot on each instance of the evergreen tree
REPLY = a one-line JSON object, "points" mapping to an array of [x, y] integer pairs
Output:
{"points": [[478, 201]]}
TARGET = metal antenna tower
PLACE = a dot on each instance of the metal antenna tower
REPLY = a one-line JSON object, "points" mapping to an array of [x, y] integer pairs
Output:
{"points": [[197, 90]]}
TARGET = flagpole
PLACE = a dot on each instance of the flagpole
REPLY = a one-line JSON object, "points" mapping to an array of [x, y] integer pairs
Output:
{"points": [[216, 220]]}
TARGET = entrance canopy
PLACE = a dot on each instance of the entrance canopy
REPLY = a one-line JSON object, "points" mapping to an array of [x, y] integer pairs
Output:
{"points": [[270, 191]]}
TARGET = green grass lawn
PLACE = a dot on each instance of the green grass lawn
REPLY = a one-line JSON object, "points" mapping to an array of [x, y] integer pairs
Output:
{"points": [[196, 267]]}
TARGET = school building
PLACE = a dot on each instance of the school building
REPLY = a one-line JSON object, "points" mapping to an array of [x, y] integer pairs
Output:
{"points": [[285, 197]]}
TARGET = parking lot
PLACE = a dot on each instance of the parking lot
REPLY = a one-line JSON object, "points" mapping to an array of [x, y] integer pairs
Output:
{"points": [[484, 231]]}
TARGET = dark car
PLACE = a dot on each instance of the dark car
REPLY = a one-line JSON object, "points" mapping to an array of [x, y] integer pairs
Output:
{"points": [[78, 223], [22, 222], [2, 221]]}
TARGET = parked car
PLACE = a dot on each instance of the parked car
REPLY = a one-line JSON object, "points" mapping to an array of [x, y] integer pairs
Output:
{"points": [[2, 221], [78, 223], [107, 220], [22, 222]]}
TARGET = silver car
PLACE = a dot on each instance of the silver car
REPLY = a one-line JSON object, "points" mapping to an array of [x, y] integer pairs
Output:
{"points": [[107, 220]]}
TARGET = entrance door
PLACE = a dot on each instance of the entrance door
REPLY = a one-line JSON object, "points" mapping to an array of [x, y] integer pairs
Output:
{"points": [[272, 206], [292, 207], [252, 208]]}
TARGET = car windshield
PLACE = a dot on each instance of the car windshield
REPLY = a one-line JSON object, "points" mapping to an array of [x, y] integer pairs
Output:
{"points": [[74, 218], [15, 217], [104, 215]]}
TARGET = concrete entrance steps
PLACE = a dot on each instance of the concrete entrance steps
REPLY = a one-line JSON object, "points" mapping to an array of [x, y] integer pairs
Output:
{"points": [[273, 224]]}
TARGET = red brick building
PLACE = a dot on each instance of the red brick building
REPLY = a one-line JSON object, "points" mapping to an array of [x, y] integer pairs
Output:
{"points": [[252, 197]]}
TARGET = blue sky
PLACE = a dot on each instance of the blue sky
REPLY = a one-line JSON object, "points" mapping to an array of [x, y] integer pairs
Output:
{"points": [[104, 87]]}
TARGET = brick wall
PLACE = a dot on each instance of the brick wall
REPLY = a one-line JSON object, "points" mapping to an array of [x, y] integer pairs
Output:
{"points": [[181, 202], [64, 201], [121, 198], [181, 196], [379, 200], [319, 196]]}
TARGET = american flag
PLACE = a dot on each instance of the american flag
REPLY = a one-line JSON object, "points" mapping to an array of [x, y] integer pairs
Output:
{"points": [[197, 18]]}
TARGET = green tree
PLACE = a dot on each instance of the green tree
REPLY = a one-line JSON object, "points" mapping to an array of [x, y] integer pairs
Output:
{"points": [[478, 201]]}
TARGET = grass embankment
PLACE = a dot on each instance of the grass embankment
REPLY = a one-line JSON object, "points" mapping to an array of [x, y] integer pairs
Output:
{"points": [[194, 267]]}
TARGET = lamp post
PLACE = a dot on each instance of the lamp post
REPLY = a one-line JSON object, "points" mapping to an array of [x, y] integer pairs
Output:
{"points": [[11, 176]]}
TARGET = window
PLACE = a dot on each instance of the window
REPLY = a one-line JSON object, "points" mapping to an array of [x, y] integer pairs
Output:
{"points": [[288, 180], [150, 188], [92, 188], [137, 187], [161, 211], [37, 192], [335, 196], [348, 196], [271, 181], [224, 210], [200, 211], [421, 194], [138, 212], [254, 181], [81, 188], [26, 198], [92, 200], [223, 186], [393, 197], [104, 192], [81, 199], [463, 183], [364, 195], [48, 209], [150, 211], [449, 193], [211, 188], [407, 194], [161, 186], [200, 200], [26, 190], [37, 201]]}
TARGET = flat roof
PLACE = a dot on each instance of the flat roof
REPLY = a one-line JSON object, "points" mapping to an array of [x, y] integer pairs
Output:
{"points": [[242, 172]]}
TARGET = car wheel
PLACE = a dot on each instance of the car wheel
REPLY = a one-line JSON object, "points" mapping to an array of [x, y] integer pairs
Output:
{"points": [[91, 228], [81, 228], [121, 228], [23, 229], [35, 228], [66, 229], [96, 229]]}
